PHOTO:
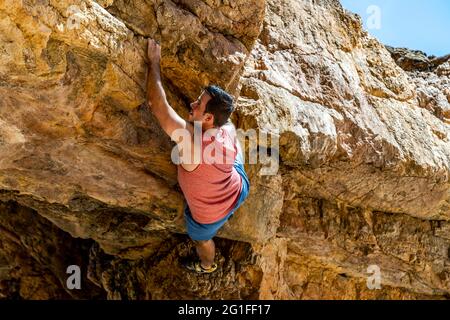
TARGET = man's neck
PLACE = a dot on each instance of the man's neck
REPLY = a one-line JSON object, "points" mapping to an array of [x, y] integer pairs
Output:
{"points": [[210, 127]]}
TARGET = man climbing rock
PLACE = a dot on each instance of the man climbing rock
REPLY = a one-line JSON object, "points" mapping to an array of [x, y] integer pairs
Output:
{"points": [[211, 172]]}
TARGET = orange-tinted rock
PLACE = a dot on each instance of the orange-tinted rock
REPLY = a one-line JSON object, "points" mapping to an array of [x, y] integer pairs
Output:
{"points": [[364, 152]]}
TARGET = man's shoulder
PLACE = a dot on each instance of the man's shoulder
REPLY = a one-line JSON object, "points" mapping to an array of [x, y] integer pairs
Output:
{"points": [[229, 128]]}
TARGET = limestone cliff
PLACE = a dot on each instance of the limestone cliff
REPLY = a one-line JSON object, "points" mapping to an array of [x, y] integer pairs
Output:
{"points": [[86, 177]]}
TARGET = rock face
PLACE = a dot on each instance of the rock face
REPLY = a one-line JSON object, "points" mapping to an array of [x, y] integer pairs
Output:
{"points": [[431, 78], [85, 169]]}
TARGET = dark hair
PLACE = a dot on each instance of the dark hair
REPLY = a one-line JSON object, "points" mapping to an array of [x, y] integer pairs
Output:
{"points": [[220, 106]]}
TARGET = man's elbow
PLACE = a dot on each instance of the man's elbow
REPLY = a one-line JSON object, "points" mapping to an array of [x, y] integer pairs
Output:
{"points": [[150, 103], [156, 108], [160, 114]]}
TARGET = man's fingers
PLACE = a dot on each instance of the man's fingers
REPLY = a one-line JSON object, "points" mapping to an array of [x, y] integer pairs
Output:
{"points": [[152, 43], [153, 50]]}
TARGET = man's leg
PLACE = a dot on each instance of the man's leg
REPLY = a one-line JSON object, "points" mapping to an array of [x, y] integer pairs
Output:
{"points": [[206, 251]]}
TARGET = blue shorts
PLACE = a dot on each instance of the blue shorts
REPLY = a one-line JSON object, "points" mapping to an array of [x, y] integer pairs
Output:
{"points": [[203, 232]]}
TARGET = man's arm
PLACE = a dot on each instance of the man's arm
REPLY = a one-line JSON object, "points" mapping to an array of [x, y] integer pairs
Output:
{"points": [[156, 97], [233, 132]]}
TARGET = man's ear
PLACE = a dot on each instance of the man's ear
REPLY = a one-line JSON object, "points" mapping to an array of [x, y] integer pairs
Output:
{"points": [[209, 117]]}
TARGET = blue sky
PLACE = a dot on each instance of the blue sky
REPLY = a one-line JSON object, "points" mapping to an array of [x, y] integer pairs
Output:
{"points": [[415, 24]]}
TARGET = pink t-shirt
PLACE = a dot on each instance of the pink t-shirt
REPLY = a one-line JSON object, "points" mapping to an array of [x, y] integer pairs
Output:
{"points": [[213, 188]]}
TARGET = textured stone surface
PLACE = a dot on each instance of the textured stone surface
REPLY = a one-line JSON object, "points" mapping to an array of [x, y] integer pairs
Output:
{"points": [[415, 60], [348, 114], [76, 143], [34, 257], [162, 277], [432, 83], [364, 152]]}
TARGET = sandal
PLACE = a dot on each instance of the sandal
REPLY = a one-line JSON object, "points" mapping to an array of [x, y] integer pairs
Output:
{"points": [[196, 266]]}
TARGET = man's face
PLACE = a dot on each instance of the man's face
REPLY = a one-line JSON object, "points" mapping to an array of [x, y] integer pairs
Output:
{"points": [[198, 107]]}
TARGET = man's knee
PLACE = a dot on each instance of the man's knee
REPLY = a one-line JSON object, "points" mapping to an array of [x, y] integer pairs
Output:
{"points": [[202, 243]]}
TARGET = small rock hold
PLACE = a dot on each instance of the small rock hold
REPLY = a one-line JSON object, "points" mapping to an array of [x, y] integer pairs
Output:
{"points": [[447, 93], [443, 69]]}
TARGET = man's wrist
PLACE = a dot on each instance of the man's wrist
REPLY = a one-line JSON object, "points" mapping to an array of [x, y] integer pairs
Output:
{"points": [[154, 65], [154, 69]]}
